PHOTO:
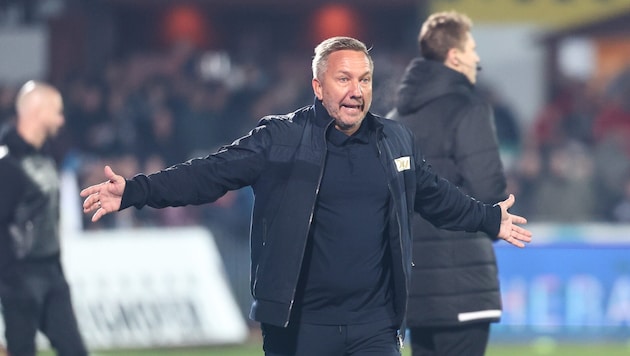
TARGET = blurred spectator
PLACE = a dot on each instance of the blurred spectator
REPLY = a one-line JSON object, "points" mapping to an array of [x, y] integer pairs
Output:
{"points": [[123, 120], [506, 123], [161, 137], [621, 210], [566, 193], [613, 121], [388, 71], [507, 126], [569, 116], [287, 90], [89, 125], [523, 179], [34, 292], [611, 164], [200, 121], [7, 95]]}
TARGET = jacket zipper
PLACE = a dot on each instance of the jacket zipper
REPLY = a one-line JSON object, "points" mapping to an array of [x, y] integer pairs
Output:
{"points": [[310, 219]]}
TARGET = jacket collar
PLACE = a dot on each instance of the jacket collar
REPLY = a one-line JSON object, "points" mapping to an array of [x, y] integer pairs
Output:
{"points": [[322, 119], [10, 137]]}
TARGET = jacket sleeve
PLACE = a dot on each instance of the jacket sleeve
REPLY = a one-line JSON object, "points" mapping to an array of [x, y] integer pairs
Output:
{"points": [[477, 158], [12, 187], [202, 180], [445, 206]]}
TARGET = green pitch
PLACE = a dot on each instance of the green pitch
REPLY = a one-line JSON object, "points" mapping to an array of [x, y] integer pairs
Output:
{"points": [[493, 350]]}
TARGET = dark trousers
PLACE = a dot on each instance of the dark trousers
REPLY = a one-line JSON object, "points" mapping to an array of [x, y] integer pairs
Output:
{"points": [[38, 298], [372, 339], [467, 339]]}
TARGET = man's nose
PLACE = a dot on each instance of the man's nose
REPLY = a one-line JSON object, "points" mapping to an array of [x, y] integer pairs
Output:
{"points": [[357, 91]]}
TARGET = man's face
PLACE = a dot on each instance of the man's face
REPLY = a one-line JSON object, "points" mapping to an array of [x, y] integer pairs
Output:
{"points": [[468, 58], [345, 89], [51, 113]]}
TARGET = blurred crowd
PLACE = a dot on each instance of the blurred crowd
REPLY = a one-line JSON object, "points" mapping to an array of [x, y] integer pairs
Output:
{"points": [[148, 111], [572, 164]]}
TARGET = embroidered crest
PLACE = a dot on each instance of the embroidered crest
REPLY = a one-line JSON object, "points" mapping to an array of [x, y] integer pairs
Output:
{"points": [[403, 163]]}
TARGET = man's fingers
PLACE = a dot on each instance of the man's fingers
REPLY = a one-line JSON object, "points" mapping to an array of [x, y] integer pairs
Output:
{"points": [[89, 190], [519, 236], [516, 242], [523, 238], [518, 219], [89, 202], [98, 214], [92, 195], [522, 233], [111, 177]]}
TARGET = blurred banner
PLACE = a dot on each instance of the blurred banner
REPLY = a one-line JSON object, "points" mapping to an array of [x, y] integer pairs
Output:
{"points": [[146, 288], [572, 283], [550, 13]]}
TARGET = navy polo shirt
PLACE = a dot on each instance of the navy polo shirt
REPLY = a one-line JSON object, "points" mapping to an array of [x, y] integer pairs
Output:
{"points": [[346, 276]]}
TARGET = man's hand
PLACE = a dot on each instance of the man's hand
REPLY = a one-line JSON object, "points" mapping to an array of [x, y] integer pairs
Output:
{"points": [[509, 231], [105, 197]]}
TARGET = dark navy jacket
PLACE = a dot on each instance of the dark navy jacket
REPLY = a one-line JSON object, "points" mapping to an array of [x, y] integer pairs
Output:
{"points": [[283, 159]]}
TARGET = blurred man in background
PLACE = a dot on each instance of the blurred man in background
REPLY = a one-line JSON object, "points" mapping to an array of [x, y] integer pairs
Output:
{"points": [[454, 294], [33, 289], [335, 186]]}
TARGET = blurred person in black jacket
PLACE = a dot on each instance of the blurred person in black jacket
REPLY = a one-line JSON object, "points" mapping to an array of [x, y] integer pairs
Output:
{"points": [[454, 293], [33, 289], [335, 187]]}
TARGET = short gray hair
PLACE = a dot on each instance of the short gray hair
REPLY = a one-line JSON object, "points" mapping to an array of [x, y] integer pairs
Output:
{"points": [[334, 44]]}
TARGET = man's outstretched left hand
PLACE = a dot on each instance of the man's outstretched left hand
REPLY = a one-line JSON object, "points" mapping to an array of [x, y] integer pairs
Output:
{"points": [[509, 230]]}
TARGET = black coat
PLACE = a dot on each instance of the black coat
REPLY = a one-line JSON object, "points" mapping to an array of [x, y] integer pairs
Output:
{"points": [[29, 205], [283, 160], [455, 275]]}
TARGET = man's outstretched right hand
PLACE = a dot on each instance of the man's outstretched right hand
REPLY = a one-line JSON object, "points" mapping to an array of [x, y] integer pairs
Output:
{"points": [[106, 197]]}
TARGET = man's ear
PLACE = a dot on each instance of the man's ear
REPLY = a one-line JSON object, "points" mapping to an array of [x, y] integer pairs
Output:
{"points": [[452, 58], [317, 89]]}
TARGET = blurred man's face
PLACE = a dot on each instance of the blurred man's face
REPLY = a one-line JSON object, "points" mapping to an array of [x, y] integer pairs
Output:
{"points": [[468, 59], [51, 113], [345, 89]]}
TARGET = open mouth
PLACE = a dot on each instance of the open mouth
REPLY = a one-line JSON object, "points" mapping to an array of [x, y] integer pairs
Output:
{"points": [[352, 107]]}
